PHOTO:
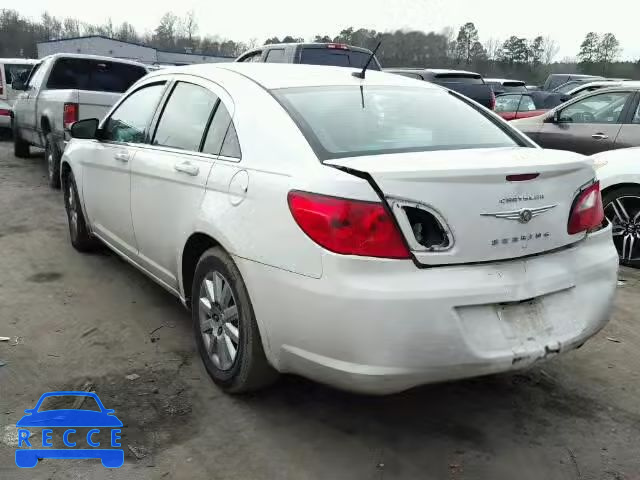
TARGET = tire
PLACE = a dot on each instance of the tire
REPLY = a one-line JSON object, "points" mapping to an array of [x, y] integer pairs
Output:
{"points": [[249, 370], [52, 155], [20, 147], [79, 234], [625, 222]]}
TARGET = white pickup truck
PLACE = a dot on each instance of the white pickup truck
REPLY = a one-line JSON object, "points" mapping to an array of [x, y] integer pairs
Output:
{"points": [[62, 89]]}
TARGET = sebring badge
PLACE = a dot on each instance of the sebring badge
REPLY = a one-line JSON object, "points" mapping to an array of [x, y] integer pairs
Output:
{"points": [[523, 215]]}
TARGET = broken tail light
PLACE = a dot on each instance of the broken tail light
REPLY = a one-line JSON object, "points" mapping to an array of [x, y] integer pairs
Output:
{"points": [[587, 212], [348, 227]]}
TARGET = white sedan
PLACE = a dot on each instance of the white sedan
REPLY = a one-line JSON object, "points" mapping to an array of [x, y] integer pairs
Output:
{"points": [[372, 234], [619, 174]]}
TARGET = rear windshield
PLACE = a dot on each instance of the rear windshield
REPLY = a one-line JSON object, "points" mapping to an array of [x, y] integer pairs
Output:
{"points": [[15, 71], [337, 57], [82, 74], [458, 78], [346, 121], [506, 87]]}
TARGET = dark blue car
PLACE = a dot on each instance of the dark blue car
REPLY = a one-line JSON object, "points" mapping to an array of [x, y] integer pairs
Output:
{"points": [[69, 418]]}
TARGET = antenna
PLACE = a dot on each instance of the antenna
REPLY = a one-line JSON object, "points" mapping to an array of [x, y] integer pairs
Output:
{"points": [[364, 70]]}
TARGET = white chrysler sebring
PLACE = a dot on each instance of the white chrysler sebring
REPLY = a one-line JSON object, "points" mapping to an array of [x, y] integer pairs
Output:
{"points": [[373, 234]]}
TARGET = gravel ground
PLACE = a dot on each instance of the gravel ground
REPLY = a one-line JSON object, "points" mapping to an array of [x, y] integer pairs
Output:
{"points": [[88, 321]]}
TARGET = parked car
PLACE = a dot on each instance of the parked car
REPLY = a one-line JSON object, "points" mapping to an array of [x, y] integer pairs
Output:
{"points": [[60, 90], [371, 234], [335, 54], [504, 85], [10, 69], [556, 79], [565, 88], [619, 175], [603, 120], [511, 106], [469, 84], [587, 87]]}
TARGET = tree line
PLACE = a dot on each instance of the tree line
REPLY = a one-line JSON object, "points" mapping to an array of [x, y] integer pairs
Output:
{"points": [[514, 57]]}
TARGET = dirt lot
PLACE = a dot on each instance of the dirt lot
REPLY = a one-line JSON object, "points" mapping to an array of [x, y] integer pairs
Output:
{"points": [[86, 321]]}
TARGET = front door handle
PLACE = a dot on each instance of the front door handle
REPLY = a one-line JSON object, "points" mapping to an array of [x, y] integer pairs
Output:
{"points": [[599, 136], [122, 157], [186, 167]]}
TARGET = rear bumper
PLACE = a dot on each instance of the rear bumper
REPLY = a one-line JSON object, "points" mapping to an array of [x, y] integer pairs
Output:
{"points": [[384, 326]]}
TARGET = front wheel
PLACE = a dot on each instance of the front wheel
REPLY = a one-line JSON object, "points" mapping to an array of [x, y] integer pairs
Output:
{"points": [[622, 209], [52, 155], [225, 327]]}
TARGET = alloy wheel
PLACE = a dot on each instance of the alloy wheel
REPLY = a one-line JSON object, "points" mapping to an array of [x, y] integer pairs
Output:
{"points": [[624, 215], [219, 320], [72, 210]]}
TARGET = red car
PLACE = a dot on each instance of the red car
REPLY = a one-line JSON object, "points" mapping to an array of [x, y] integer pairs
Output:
{"points": [[511, 106]]}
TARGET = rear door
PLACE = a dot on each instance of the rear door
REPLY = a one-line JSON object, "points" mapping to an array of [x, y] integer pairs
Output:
{"points": [[169, 175], [629, 135], [588, 125]]}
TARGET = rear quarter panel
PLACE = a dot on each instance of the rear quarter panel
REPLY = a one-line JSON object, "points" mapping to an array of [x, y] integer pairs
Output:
{"points": [[50, 105]]}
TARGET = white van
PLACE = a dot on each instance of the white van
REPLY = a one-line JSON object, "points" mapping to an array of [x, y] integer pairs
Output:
{"points": [[11, 68]]}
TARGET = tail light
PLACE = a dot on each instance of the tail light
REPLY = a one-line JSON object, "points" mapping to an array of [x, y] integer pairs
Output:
{"points": [[348, 227], [587, 212], [492, 101], [70, 114], [4, 112], [339, 46]]}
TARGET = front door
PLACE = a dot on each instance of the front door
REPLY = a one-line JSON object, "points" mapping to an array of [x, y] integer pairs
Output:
{"points": [[588, 125], [25, 108], [106, 174], [170, 175]]}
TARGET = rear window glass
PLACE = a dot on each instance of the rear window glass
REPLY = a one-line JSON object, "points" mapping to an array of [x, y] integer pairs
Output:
{"points": [[457, 78], [337, 57], [82, 74], [14, 71], [345, 121]]}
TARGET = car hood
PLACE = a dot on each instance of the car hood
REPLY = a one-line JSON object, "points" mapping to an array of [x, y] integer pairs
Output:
{"points": [[69, 418]]}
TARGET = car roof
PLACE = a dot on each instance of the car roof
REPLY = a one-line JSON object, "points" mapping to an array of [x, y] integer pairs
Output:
{"points": [[436, 71], [23, 61], [284, 75], [503, 80], [94, 57]]}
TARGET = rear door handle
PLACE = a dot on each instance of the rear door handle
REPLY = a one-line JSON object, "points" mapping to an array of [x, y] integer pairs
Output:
{"points": [[186, 167], [599, 136], [122, 157]]}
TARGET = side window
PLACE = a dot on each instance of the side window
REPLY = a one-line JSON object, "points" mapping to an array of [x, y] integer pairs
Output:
{"points": [[254, 57], [602, 108], [129, 121], [526, 104], [507, 103], [35, 78], [184, 117], [231, 145], [636, 116], [417, 76], [275, 55], [217, 130]]}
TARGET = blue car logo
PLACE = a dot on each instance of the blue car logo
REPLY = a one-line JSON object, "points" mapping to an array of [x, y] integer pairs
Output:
{"points": [[69, 419]]}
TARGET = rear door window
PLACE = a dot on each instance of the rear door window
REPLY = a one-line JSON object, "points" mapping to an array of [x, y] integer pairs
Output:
{"points": [[217, 130], [507, 103], [96, 75], [185, 117], [275, 55]]}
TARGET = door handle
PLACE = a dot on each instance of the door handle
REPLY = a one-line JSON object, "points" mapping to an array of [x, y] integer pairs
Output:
{"points": [[122, 157], [186, 167], [599, 136]]}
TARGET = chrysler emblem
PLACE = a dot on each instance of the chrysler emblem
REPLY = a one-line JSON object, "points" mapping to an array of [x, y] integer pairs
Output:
{"points": [[523, 215]]}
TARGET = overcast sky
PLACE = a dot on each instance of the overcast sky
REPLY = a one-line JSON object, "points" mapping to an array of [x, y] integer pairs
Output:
{"points": [[567, 21]]}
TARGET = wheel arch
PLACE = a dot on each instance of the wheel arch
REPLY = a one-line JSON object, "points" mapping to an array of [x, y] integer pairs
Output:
{"points": [[197, 243], [618, 186]]}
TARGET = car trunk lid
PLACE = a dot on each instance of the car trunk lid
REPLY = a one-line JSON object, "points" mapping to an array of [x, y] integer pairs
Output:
{"points": [[491, 204]]}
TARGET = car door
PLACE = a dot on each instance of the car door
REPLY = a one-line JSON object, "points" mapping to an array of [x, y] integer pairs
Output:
{"points": [[106, 181], [629, 135], [168, 176], [25, 105], [588, 125]]}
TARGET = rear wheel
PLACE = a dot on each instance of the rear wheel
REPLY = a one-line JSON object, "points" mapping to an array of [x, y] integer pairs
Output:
{"points": [[225, 327], [20, 147], [78, 231], [622, 209], [52, 155]]}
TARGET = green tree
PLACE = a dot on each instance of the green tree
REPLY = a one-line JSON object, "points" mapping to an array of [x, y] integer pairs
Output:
{"points": [[515, 50], [589, 48], [165, 33], [467, 38], [608, 48], [536, 51], [126, 32], [271, 40]]}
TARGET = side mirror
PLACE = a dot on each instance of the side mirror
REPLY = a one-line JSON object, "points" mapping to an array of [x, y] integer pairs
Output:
{"points": [[18, 84], [85, 129], [553, 118]]}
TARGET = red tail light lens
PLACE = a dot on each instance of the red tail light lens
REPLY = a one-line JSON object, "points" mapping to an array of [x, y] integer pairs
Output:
{"points": [[4, 112], [348, 227], [70, 114], [587, 212], [339, 46]]}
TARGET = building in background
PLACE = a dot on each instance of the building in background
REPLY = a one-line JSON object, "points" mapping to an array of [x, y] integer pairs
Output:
{"points": [[110, 47]]}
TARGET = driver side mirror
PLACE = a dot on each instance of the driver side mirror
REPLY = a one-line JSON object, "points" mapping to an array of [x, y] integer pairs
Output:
{"points": [[553, 118], [86, 129], [18, 85]]}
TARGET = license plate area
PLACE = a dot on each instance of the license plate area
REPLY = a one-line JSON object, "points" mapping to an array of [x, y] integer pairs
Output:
{"points": [[525, 321]]}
